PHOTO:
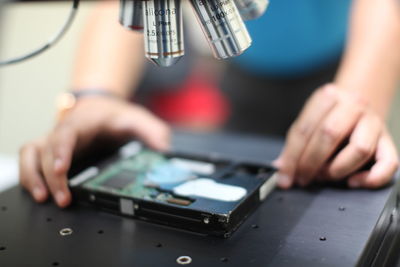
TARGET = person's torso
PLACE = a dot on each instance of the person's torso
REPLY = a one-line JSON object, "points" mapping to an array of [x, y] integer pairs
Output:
{"points": [[295, 37]]}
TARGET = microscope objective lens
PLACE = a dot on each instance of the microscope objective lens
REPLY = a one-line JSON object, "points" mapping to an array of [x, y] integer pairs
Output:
{"points": [[223, 27], [163, 34], [162, 26], [131, 14], [251, 9]]}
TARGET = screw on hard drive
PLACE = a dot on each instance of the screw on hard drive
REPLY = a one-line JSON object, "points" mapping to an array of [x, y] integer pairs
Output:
{"points": [[183, 260], [224, 259], [66, 231]]}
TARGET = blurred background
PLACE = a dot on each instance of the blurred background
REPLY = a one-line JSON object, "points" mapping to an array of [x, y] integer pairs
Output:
{"points": [[28, 91]]}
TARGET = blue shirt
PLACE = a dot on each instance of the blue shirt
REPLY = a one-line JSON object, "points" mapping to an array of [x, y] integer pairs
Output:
{"points": [[295, 37]]}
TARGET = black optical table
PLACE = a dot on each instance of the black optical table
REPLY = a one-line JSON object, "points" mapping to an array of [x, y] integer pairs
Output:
{"points": [[321, 226]]}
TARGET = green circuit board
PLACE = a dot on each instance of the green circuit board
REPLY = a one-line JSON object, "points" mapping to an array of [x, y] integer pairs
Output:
{"points": [[147, 175]]}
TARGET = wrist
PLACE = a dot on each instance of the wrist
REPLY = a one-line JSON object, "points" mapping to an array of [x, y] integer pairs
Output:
{"points": [[68, 100], [87, 93], [378, 97]]}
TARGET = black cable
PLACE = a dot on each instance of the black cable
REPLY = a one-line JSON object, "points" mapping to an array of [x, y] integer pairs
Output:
{"points": [[50, 42]]}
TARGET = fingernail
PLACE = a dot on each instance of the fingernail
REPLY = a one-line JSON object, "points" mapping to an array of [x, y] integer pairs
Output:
{"points": [[57, 164], [354, 183], [60, 198], [277, 163], [166, 146], [284, 180], [38, 193]]}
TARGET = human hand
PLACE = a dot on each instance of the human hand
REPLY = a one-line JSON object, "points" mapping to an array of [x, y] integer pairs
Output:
{"points": [[44, 163], [314, 143]]}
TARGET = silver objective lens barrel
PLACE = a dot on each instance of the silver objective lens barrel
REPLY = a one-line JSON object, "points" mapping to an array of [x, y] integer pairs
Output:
{"points": [[131, 14], [251, 9], [163, 34], [223, 26]]}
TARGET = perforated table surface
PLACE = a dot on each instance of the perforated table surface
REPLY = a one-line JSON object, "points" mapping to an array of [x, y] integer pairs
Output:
{"points": [[327, 226]]}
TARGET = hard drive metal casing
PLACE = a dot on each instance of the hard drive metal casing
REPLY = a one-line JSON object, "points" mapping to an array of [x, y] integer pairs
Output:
{"points": [[204, 215]]}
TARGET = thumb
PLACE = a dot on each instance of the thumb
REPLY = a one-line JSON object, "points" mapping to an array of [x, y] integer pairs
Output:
{"points": [[139, 122]]}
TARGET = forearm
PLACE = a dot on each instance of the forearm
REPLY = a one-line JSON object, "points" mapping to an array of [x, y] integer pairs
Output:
{"points": [[371, 63], [109, 57]]}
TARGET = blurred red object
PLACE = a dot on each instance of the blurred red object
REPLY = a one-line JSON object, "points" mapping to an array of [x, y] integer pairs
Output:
{"points": [[198, 104]]}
